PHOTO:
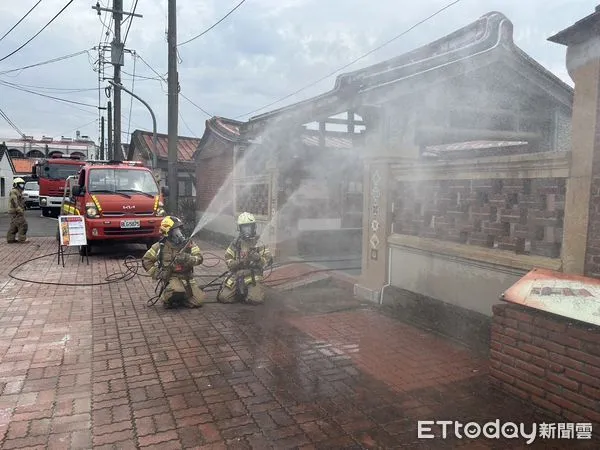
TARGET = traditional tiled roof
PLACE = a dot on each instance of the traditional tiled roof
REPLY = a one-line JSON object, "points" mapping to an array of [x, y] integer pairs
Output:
{"points": [[226, 130], [142, 141], [22, 166], [481, 43], [580, 31]]}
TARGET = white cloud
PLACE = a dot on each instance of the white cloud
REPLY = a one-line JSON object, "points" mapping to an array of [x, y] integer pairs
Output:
{"points": [[264, 50]]}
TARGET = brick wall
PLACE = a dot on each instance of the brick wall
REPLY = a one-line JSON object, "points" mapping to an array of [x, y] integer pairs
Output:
{"points": [[547, 360], [592, 257], [211, 174], [520, 215]]}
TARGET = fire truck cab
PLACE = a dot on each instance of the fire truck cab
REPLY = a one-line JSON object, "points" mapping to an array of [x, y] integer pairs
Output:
{"points": [[51, 174], [120, 200]]}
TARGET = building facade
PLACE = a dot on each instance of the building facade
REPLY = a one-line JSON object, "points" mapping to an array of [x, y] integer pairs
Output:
{"points": [[30, 147]]}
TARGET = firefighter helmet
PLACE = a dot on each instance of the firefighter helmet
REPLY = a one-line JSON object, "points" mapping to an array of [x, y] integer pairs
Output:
{"points": [[246, 225], [170, 227], [19, 183]]}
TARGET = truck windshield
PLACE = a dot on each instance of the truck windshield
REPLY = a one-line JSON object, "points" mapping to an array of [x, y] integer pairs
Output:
{"points": [[122, 180], [32, 186], [58, 171]]}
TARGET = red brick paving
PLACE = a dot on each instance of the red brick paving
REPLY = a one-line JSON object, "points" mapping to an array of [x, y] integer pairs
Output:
{"points": [[94, 367], [400, 355]]}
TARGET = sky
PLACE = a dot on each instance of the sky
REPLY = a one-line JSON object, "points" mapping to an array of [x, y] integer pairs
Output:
{"points": [[263, 51]]}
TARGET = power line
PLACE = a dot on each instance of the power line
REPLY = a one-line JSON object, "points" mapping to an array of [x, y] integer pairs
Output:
{"points": [[351, 62], [213, 25], [130, 22], [11, 123], [132, 85], [37, 34], [197, 106], [186, 125], [20, 20], [60, 58], [65, 90], [185, 97], [47, 96]]}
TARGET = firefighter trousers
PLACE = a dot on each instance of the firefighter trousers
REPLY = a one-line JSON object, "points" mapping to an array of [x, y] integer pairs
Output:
{"points": [[186, 290], [256, 293], [17, 230]]}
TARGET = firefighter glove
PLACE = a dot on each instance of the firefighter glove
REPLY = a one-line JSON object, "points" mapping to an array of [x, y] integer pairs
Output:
{"points": [[184, 259]]}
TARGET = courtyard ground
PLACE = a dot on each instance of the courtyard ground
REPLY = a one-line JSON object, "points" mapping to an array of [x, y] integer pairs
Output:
{"points": [[95, 367]]}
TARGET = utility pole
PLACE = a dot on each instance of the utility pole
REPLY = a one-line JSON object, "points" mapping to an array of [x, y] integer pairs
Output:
{"points": [[101, 156], [109, 147], [173, 108], [117, 57]]}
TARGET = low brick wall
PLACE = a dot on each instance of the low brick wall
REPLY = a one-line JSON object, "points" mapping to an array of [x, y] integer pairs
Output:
{"points": [[547, 360]]}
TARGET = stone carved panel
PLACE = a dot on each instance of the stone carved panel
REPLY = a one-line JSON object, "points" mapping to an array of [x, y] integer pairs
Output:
{"points": [[520, 215]]}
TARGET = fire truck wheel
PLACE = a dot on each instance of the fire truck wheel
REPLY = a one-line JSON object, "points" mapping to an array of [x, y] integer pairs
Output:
{"points": [[46, 212]]}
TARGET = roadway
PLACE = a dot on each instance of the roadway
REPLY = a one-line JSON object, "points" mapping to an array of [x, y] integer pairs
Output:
{"points": [[39, 226]]}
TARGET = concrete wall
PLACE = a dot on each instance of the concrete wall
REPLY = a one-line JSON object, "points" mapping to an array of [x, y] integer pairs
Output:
{"points": [[468, 284], [6, 173]]}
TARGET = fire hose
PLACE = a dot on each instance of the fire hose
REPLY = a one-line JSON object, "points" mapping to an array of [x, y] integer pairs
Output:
{"points": [[132, 265]]}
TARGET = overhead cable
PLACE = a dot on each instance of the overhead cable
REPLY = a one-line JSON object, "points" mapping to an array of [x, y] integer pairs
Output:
{"points": [[37, 34], [353, 61], [165, 80], [20, 20], [47, 96], [130, 22], [11, 123], [213, 25], [57, 59]]}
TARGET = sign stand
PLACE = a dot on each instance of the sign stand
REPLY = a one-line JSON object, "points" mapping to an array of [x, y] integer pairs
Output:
{"points": [[72, 234]]}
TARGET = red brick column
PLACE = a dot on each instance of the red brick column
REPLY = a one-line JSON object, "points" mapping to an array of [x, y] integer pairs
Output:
{"points": [[548, 360]]}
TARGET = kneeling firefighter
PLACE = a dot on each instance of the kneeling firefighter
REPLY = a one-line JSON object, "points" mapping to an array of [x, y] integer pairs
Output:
{"points": [[246, 262], [172, 264]]}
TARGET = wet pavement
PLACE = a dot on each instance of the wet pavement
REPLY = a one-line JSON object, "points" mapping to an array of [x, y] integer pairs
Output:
{"points": [[95, 367]]}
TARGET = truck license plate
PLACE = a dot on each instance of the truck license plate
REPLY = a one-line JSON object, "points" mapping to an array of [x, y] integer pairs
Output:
{"points": [[130, 223]]}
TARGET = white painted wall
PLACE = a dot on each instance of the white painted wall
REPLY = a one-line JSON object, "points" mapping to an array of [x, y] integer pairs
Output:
{"points": [[6, 174], [469, 284]]}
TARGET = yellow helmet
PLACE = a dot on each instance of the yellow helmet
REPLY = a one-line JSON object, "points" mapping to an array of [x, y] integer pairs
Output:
{"points": [[169, 223], [247, 225], [170, 227], [19, 182], [245, 218]]}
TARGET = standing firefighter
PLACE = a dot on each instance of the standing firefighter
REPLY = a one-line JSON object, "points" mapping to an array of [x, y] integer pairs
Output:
{"points": [[246, 261], [170, 262], [16, 210]]}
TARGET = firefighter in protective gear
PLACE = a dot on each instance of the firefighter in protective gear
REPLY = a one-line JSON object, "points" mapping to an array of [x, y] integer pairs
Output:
{"points": [[168, 261], [16, 210], [246, 261]]}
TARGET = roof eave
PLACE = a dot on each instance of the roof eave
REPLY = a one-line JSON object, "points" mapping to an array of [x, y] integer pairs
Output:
{"points": [[580, 31]]}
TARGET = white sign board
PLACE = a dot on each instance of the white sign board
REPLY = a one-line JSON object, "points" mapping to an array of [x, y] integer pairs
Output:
{"points": [[72, 231]]}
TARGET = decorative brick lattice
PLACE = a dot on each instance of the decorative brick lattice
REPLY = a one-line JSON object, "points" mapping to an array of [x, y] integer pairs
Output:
{"points": [[253, 198], [521, 215]]}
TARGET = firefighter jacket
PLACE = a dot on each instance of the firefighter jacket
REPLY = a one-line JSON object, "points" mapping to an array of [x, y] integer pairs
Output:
{"points": [[16, 205], [247, 256], [157, 261]]}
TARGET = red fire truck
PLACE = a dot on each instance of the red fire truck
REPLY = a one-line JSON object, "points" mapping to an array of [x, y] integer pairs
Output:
{"points": [[51, 174], [120, 200]]}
